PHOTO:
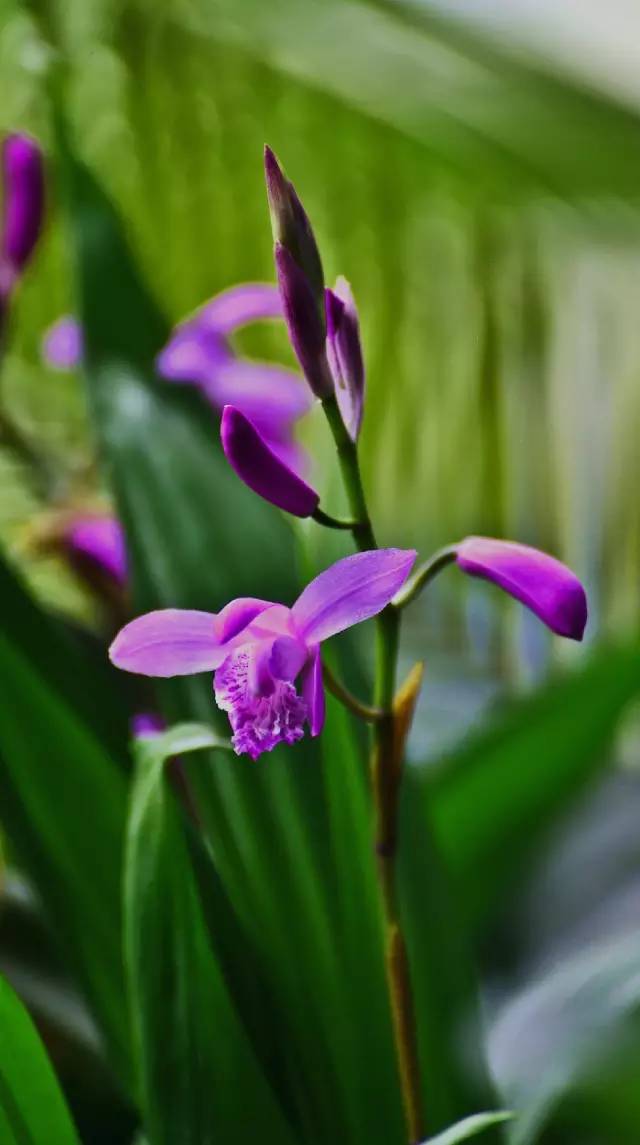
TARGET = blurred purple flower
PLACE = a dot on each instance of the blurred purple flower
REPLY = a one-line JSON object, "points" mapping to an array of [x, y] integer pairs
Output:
{"points": [[344, 353], [63, 344], [199, 352], [539, 581], [96, 544], [147, 725], [259, 649], [23, 213], [266, 473]]}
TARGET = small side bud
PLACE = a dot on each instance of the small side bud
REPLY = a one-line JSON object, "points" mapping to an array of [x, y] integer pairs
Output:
{"points": [[306, 331], [344, 354], [291, 227], [261, 469], [23, 179]]}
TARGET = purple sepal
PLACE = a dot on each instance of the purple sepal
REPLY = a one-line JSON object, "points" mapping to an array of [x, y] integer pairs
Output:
{"points": [[63, 344], [261, 469], [344, 354], [291, 226], [539, 581], [23, 178], [306, 330]]}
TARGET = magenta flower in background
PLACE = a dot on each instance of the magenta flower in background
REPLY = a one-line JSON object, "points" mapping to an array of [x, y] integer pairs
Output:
{"points": [[63, 344], [23, 183], [539, 581], [258, 650], [96, 543], [199, 352]]}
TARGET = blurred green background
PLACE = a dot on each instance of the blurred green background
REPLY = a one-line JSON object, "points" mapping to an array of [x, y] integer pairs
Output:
{"points": [[474, 170]]}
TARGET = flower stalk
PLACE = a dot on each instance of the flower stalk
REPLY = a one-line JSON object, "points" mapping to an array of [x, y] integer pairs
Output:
{"points": [[387, 751]]}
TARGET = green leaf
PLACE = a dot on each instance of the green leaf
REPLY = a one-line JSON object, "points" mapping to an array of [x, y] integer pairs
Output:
{"points": [[568, 1024], [32, 1108], [500, 792], [195, 1060], [470, 1127], [63, 802]]}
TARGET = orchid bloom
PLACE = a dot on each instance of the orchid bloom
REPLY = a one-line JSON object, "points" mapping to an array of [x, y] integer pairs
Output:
{"points": [[199, 352], [258, 649]]}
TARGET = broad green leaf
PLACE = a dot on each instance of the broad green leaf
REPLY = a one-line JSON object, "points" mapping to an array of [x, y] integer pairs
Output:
{"points": [[565, 1026], [499, 793], [32, 1108], [470, 1127], [63, 802], [200, 1080]]}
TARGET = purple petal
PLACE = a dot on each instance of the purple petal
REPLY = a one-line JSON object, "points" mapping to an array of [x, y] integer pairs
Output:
{"points": [[99, 540], [23, 176], [287, 657], [312, 688], [62, 345], [257, 465], [250, 302], [304, 323], [236, 615], [270, 396], [192, 354], [350, 591], [541, 582], [169, 642], [344, 354]]}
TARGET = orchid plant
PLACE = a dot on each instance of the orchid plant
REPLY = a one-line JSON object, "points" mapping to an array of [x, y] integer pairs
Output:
{"points": [[266, 655]]}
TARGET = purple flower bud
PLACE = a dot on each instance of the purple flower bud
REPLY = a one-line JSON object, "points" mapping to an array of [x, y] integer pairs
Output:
{"points": [[23, 178], [306, 331], [147, 725], [291, 227], [63, 344], [344, 354], [539, 581], [261, 469]]}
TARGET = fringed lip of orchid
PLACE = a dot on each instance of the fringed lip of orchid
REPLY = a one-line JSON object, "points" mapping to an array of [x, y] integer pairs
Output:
{"points": [[258, 649]]}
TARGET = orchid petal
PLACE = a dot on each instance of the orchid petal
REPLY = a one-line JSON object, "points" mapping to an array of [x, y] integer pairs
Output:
{"points": [[62, 345], [235, 616], [350, 591], [344, 354], [169, 642], [192, 354], [305, 324], [270, 396], [312, 689], [101, 541], [288, 656], [250, 302], [539, 581], [259, 467]]}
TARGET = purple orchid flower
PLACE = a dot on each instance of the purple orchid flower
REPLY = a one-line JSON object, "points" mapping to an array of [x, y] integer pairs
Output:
{"points": [[258, 649], [23, 179], [63, 344], [199, 352], [539, 581]]}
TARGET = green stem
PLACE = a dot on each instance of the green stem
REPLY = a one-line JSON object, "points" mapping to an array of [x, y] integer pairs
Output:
{"points": [[330, 522], [385, 782], [337, 688], [421, 577]]}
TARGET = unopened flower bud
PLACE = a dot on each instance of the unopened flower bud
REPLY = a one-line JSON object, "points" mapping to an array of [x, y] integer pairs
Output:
{"points": [[23, 179], [344, 354], [304, 325], [261, 469], [291, 226]]}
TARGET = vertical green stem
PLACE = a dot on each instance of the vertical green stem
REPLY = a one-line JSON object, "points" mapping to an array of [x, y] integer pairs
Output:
{"points": [[385, 776]]}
